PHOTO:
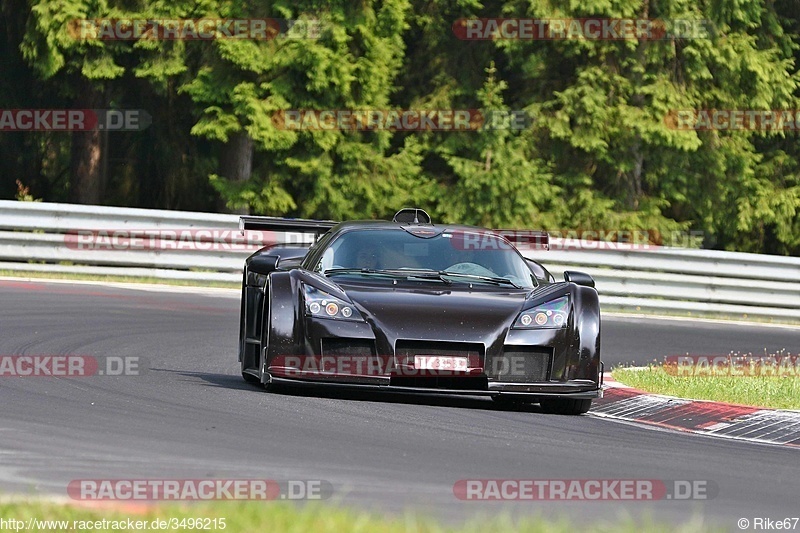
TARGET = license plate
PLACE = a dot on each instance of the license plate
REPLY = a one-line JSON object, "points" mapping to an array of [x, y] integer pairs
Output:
{"points": [[440, 362]]}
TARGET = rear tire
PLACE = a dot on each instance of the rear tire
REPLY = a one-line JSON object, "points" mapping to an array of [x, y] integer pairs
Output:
{"points": [[566, 406]]}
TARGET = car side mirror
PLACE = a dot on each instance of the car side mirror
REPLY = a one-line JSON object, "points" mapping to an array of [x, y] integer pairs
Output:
{"points": [[263, 264], [579, 278]]}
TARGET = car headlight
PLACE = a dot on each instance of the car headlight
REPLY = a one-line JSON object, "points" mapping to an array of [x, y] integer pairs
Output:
{"points": [[552, 314], [320, 304]]}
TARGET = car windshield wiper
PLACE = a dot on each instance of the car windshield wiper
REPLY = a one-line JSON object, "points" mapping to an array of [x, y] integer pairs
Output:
{"points": [[419, 273], [422, 274], [425, 273], [352, 271], [400, 272], [488, 279]]}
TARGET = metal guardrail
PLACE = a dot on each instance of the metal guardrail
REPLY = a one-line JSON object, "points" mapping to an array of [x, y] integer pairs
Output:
{"points": [[35, 237]]}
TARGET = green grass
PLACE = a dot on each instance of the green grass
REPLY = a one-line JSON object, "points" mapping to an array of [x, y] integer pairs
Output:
{"points": [[117, 279], [758, 391], [275, 517]]}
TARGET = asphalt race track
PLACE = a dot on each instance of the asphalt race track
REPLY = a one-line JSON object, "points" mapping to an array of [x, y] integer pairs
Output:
{"points": [[190, 415]]}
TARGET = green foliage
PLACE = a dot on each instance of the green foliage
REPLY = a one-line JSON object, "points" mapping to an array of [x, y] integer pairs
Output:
{"points": [[601, 152], [24, 194], [499, 181], [53, 40]]}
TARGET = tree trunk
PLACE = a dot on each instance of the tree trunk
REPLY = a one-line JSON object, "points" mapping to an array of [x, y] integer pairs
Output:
{"points": [[236, 163], [638, 100], [636, 174], [86, 153]]}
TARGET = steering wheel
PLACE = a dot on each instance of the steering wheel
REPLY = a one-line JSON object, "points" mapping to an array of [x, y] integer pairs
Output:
{"points": [[471, 268]]}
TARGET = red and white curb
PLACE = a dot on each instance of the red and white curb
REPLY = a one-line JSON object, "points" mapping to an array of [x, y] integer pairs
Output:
{"points": [[702, 417]]}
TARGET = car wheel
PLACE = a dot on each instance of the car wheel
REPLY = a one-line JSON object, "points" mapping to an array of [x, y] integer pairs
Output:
{"points": [[277, 388], [562, 406], [251, 379]]}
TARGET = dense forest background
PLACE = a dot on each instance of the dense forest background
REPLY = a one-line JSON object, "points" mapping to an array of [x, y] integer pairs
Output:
{"points": [[599, 153]]}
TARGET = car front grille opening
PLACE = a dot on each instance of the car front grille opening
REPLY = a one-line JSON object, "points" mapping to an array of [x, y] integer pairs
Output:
{"points": [[521, 364], [348, 347]]}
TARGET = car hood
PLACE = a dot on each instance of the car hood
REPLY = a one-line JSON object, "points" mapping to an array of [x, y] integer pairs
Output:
{"points": [[443, 313]]}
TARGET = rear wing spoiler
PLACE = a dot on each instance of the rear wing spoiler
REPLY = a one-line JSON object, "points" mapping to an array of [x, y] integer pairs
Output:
{"points": [[521, 239], [303, 225], [283, 231]]}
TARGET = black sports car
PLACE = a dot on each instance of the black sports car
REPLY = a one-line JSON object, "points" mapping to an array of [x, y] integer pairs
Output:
{"points": [[412, 306]]}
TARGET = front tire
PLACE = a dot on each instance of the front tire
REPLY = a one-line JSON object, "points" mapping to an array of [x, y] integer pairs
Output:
{"points": [[566, 406], [251, 379]]}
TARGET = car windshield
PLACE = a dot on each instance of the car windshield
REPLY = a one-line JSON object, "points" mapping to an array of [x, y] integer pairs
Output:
{"points": [[454, 256]]}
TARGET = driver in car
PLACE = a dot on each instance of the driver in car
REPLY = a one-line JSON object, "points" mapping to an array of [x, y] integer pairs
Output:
{"points": [[367, 257]]}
